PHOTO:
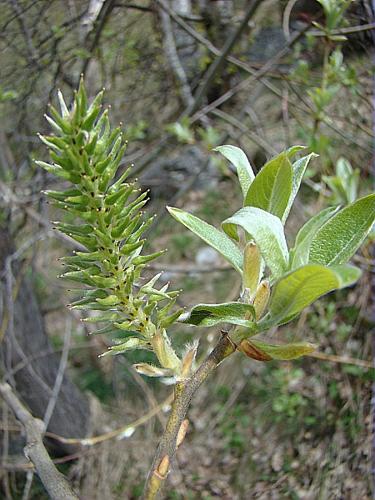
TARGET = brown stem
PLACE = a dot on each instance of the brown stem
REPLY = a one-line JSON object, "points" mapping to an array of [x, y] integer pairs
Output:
{"points": [[184, 391]]}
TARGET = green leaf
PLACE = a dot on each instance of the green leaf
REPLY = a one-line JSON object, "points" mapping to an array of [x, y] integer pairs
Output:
{"points": [[272, 186], [285, 351], [238, 158], [235, 313], [301, 249], [267, 232], [299, 169], [346, 274], [212, 236], [339, 238], [335, 184], [298, 289], [110, 300], [129, 345], [293, 150]]}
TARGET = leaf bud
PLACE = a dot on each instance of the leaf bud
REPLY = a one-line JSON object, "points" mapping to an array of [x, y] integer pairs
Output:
{"points": [[151, 370], [251, 267], [252, 351], [261, 298], [188, 360]]}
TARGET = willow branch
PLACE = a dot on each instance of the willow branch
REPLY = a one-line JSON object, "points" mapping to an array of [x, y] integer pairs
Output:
{"points": [[54, 482], [177, 423]]}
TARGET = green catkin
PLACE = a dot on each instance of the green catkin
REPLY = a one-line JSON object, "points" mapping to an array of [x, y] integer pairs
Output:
{"points": [[110, 225]]}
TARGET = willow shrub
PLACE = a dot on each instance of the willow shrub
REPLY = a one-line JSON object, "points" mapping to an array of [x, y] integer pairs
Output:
{"points": [[277, 282]]}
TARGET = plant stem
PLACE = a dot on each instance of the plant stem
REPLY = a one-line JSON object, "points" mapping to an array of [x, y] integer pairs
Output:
{"points": [[172, 437]]}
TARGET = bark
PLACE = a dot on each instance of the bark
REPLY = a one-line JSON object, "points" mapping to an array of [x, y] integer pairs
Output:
{"points": [[177, 423], [24, 341]]}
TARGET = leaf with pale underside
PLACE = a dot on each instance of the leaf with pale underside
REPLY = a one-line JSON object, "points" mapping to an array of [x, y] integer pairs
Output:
{"points": [[267, 232], [238, 158], [299, 169], [212, 236]]}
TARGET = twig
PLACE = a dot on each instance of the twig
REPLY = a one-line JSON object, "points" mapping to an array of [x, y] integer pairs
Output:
{"points": [[54, 482], [28, 484], [12, 199], [247, 81], [259, 141], [95, 33], [347, 30], [345, 360], [115, 433], [214, 50], [176, 425], [60, 375], [216, 66]]}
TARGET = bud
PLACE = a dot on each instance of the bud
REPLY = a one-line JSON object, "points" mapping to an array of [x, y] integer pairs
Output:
{"points": [[251, 267], [261, 298], [129, 344], [163, 467], [285, 352], [188, 360], [182, 432], [110, 300], [164, 351], [253, 352], [151, 370]]}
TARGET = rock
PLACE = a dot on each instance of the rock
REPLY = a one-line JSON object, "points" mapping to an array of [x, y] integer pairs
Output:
{"points": [[207, 257]]}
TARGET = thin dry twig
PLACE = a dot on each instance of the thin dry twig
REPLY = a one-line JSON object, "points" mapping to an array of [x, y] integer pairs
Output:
{"points": [[342, 360], [121, 431], [60, 374], [55, 483], [218, 63]]}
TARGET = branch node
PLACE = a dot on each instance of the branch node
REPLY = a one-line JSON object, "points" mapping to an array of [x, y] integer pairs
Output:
{"points": [[163, 468], [182, 432]]}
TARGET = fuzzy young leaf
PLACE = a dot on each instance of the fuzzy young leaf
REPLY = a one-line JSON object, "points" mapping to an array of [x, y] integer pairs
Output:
{"points": [[299, 169], [212, 236], [268, 233], [272, 187], [339, 238], [261, 299], [300, 252], [252, 263], [285, 351], [298, 289], [235, 313], [151, 370], [238, 158]]}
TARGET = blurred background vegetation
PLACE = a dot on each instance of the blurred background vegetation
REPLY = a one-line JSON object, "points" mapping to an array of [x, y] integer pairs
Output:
{"points": [[184, 76]]}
